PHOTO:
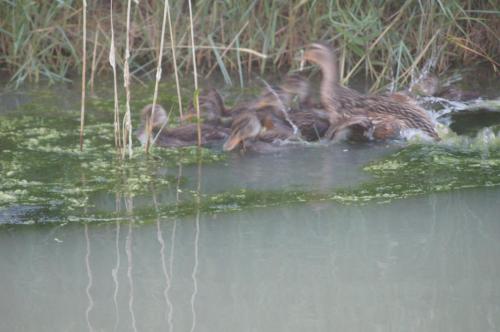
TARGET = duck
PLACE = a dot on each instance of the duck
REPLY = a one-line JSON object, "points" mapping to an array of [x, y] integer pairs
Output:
{"points": [[212, 108], [245, 125], [429, 85], [292, 105], [182, 136], [294, 91], [256, 130], [385, 117]]}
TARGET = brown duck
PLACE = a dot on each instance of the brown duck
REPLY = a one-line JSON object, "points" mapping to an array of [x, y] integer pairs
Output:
{"points": [[291, 104], [185, 135], [388, 116], [256, 130], [212, 108]]}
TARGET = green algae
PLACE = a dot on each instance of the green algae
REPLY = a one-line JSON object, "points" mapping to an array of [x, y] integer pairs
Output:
{"points": [[41, 164], [43, 167], [417, 169], [44, 172]]}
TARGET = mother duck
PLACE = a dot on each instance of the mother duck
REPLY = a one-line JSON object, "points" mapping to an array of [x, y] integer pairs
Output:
{"points": [[389, 117]]}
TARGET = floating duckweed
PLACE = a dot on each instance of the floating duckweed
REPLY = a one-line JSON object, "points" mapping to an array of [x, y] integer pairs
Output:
{"points": [[43, 167]]}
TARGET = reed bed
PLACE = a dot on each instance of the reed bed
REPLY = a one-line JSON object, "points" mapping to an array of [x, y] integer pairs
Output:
{"points": [[387, 40]]}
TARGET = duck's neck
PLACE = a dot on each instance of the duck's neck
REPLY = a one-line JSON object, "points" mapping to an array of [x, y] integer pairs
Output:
{"points": [[328, 84]]}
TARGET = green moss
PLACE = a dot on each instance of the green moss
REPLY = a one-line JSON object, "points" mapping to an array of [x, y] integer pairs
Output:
{"points": [[42, 166]]}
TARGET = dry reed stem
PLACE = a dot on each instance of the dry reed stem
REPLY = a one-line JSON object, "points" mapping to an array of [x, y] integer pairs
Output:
{"points": [[158, 77], [460, 42], [112, 61], [196, 103], [207, 47], [127, 124], [84, 70], [93, 66], [174, 60]]}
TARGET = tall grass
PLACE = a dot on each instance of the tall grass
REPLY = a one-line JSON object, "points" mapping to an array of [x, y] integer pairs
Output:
{"points": [[385, 39]]}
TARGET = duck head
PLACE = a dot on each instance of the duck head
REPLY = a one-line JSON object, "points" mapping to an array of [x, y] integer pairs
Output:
{"points": [[156, 119], [211, 107], [321, 55]]}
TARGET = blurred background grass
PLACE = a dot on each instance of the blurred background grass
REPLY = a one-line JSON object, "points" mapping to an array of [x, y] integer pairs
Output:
{"points": [[387, 40]]}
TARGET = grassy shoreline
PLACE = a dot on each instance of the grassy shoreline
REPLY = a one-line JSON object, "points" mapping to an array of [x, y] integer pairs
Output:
{"points": [[387, 40]]}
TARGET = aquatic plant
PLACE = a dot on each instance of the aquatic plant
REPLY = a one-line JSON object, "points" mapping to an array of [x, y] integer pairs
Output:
{"points": [[47, 178], [44, 169]]}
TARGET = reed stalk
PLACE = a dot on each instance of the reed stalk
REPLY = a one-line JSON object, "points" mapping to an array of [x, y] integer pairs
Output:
{"points": [[174, 60], [94, 63], [127, 124], [195, 74], [84, 71], [158, 77], [112, 61]]}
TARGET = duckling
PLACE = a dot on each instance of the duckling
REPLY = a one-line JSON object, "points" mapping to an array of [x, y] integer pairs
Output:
{"points": [[388, 116], [212, 109], [299, 87], [427, 85], [253, 129], [186, 135], [245, 126], [292, 103], [355, 128], [274, 128], [293, 91], [312, 123], [430, 85]]}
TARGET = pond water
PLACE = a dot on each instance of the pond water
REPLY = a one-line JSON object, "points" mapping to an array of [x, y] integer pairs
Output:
{"points": [[315, 238]]}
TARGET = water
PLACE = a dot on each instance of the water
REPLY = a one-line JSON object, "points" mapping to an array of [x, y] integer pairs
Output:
{"points": [[420, 264], [318, 238]]}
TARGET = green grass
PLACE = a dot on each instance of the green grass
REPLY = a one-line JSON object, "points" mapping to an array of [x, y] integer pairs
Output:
{"points": [[387, 40]]}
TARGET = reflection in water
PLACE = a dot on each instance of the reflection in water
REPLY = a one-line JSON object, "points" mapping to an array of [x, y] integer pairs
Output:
{"points": [[419, 264], [159, 236], [195, 269], [196, 249], [89, 276], [114, 271], [128, 249], [114, 274]]}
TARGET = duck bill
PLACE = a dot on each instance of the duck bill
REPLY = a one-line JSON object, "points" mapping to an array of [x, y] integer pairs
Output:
{"points": [[187, 117]]}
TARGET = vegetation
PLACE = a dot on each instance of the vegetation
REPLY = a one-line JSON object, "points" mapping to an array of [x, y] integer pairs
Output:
{"points": [[385, 39], [47, 177]]}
